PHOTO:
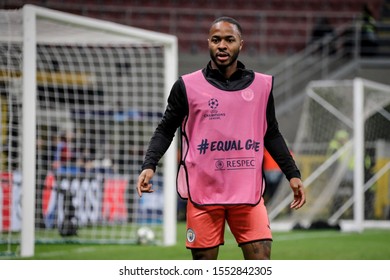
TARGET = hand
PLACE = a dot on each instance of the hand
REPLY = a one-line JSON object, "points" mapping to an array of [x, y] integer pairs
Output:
{"points": [[143, 184], [299, 193]]}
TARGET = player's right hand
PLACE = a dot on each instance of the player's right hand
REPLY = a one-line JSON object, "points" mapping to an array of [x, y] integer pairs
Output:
{"points": [[143, 184]]}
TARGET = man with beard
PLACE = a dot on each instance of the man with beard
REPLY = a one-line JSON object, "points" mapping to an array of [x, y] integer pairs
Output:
{"points": [[226, 117]]}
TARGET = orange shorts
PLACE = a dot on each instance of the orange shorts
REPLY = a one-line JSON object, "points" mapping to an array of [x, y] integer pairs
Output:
{"points": [[206, 224]]}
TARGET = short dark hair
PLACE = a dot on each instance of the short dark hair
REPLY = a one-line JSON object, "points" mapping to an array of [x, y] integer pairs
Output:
{"points": [[230, 20]]}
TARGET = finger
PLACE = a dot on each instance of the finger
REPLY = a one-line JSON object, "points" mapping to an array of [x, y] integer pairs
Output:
{"points": [[146, 188], [295, 204], [139, 190], [140, 184], [298, 203]]}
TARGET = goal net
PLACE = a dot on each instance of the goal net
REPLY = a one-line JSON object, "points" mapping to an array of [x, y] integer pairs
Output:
{"points": [[80, 99], [343, 151]]}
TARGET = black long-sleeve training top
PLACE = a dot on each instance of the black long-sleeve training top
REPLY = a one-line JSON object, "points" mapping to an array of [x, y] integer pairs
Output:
{"points": [[177, 110]]}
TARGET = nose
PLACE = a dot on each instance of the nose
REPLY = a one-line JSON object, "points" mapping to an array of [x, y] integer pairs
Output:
{"points": [[222, 44]]}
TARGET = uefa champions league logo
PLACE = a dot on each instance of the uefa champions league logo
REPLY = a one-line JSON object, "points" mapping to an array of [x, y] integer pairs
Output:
{"points": [[213, 114], [213, 103]]}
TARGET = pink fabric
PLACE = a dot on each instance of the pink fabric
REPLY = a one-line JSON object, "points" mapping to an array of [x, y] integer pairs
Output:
{"points": [[223, 147]]}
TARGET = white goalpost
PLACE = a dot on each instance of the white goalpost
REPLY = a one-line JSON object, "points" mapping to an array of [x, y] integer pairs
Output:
{"points": [[343, 150], [80, 99]]}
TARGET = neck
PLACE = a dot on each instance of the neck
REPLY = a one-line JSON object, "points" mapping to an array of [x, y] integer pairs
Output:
{"points": [[225, 71]]}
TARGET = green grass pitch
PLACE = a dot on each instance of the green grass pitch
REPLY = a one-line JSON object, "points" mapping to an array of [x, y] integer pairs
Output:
{"points": [[293, 245]]}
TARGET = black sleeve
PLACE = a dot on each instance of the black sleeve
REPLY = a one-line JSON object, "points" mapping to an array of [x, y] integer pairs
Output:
{"points": [[276, 145], [162, 137]]}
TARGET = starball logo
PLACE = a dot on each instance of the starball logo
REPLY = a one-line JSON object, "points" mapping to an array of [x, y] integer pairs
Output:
{"points": [[213, 114], [213, 103]]}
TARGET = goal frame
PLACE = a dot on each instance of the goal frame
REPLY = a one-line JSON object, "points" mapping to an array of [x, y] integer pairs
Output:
{"points": [[30, 40], [358, 223]]}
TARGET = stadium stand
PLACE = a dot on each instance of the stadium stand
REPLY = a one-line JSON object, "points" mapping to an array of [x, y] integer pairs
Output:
{"points": [[277, 36], [274, 26]]}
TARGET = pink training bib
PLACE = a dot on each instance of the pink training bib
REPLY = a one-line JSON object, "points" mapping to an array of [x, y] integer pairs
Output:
{"points": [[222, 142]]}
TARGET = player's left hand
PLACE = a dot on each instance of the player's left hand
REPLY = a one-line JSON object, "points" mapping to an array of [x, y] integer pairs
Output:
{"points": [[299, 193]]}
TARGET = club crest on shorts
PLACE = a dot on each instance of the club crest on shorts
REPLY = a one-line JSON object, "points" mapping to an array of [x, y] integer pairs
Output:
{"points": [[190, 235]]}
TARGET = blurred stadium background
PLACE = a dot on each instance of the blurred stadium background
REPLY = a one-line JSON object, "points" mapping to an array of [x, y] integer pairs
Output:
{"points": [[280, 40]]}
